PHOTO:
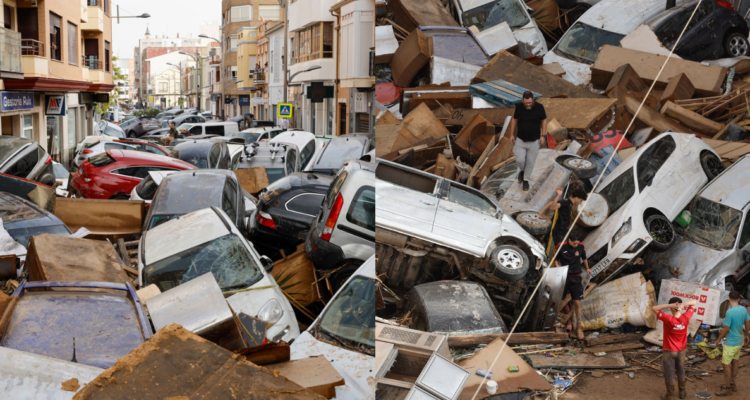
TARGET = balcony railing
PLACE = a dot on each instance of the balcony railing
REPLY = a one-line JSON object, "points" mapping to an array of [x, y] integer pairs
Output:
{"points": [[10, 56], [259, 76], [31, 47], [92, 63]]}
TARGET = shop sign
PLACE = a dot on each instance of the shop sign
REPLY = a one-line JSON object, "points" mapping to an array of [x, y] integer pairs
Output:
{"points": [[12, 101], [244, 100], [55, 105], [258, 100]]}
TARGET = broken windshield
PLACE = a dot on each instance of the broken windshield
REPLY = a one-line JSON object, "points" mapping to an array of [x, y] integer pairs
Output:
{"points": [[583, 41], [226, 258], [493, 13], [350, 318], [711, 224], [501, 180]]}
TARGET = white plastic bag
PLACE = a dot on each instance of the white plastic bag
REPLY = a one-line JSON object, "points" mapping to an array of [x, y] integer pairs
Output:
{"points": [[628, 299]]}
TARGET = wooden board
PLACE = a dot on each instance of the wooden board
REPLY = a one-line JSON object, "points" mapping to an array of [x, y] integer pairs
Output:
{"points": [[438, 99], [581, 361], [614, 347], [252, 179], [648, 116], [495, 116], [578, 114], [422, 122], [295, 276], [608, 339], [554, 69], [473, 139], [707, 79], [314, 373], [626, 77], [106, 219], [499, 153], [729, 151], [516, 338], [410, 14], [388, 119], [678, 87], [691, 119]]}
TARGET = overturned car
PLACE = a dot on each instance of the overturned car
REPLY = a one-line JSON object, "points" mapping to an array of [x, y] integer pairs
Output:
{"points": [[429, 228]]}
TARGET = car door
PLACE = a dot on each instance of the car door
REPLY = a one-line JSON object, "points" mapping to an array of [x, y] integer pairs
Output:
{"points": [[700, 41], [658, 180], [406, 197], [465, 215]]}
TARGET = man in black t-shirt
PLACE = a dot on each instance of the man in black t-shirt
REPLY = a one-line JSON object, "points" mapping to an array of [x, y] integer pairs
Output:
{"points": [[573, 255], [531, 120], [565, 208]]}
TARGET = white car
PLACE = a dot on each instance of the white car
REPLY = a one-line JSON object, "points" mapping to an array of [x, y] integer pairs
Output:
{"points": [[309, 146], [208, 241], [146, 189], [485, 14], [347, 329], [235, 155], [645, 194], [95, 147], [258, 134], [606, 22]]}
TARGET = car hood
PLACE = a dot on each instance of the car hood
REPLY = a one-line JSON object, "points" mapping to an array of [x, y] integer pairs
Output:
{"points": [[577, 73], [358, 370], [687, 262]]}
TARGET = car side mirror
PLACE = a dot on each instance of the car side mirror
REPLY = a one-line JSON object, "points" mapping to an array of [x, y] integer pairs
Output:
{"points": [[267, 263]]}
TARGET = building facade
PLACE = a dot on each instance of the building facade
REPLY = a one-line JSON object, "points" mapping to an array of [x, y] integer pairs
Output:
{"points": [[57, 54]]}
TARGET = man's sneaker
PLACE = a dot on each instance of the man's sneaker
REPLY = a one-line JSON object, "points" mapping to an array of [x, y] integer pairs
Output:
{"points": [[520, 177], [525, 186]]}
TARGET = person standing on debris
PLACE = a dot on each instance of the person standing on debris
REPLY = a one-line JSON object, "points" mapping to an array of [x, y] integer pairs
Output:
{"points": [[675, 342], [575, 197], [167, 140], [573, 255], [531, 120], [736, 321]]}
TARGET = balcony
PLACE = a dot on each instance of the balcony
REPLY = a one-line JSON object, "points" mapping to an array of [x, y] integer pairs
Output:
{"points": [[84, 11], [95, 21], [10, 55], [259, 78], [34, 60], [95, 69]]}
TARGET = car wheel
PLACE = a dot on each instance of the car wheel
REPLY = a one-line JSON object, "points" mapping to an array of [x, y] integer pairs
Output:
{"points": [[662, 232], [511, 264], [131, 134], [120, 197], [531, 222], [584, 169], [736, 45], [338, 278], [712, 165]]}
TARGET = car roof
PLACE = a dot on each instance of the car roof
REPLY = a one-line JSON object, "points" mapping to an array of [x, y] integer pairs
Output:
{"points": [[666, 14], [183, 233], [144, 156], [732, 187], [187, 191], [15, 209], [469, 304], [622, 16], [296, 137]]}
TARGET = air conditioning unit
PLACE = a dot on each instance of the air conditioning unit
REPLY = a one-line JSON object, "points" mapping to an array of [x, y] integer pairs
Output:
{"points": [[423, 342]]}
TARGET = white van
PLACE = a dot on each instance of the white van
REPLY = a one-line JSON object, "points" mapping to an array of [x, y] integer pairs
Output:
{"points": [[210, 128]]}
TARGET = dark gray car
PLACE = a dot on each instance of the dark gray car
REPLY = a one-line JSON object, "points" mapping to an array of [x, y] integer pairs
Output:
{"points": [[137, 127], [24, 219], [342, 148], [26, 159], [181, 193], [204, 154], [106, 128], [184, 118]]}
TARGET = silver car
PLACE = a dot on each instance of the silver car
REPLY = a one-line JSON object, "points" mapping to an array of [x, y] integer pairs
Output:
{"points": [[713, 249], [26, 159]]}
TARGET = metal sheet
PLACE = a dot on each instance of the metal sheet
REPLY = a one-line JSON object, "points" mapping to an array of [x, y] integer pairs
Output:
{"points": [[31, 376], [549, 296], [196, 305], [501, 92], [457, 73]]}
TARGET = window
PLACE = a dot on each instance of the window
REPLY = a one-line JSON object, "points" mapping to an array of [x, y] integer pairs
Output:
{"points": [[241, 13], [291, 161], [215, 130], [306, 153], [270, 13], [315, 42], [233, 72], [163, 87], [305, 203], [745, 235], [106, 56], [229, 202], [213, 156], [619, 191], [72, 44], [106, 6], [23, 167], [470, 199], [232, 42], [28, 127], [55, 37], [670, 30], [362, 210], [116, 146], [8, 14], [652, 160]]}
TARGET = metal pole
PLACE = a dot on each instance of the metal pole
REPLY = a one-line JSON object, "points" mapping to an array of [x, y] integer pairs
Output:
{"points": [[286, 55]]}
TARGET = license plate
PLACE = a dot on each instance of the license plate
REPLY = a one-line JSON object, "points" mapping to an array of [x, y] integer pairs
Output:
{"points": [[601, 266]]}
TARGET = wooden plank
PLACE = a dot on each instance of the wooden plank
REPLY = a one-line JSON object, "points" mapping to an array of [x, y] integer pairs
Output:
{"points": [[515, 339], [554, 69], [388, 119], [720, 133], [578, 114], [678, 87], [439, 99], [252, 179], [626, 77], [8, 313], [609, 339], [730, 151], [691, 119], [614, 347], [422, 122], [130, 270], [580, 361], [648, 116], [500, 152]]}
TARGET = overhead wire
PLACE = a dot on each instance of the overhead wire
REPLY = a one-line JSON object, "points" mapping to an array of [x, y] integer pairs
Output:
{"points": [[622, 137]]}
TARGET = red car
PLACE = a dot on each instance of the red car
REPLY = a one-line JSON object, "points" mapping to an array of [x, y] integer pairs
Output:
{"points": [[143, 145], [114, 174]]}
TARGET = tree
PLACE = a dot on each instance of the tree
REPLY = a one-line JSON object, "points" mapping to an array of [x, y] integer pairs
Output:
{"points": [[115, 94]]}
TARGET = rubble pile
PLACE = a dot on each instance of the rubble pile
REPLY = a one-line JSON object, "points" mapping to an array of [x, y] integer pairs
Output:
{"points": [[465, 235]]}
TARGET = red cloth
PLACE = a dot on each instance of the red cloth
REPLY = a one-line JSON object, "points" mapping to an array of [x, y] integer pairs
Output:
{"points": [[675, 329]]}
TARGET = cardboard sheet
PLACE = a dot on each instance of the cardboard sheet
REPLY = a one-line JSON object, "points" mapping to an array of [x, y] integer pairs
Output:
{"points": [[577, 114], [106, 219]]}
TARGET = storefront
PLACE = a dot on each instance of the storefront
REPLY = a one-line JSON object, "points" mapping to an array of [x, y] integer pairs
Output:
{"points": [[318, 108], [244, 104]]}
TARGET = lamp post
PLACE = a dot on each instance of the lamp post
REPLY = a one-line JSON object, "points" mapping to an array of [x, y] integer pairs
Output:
{"points": [[144, 15], [221, 44]]}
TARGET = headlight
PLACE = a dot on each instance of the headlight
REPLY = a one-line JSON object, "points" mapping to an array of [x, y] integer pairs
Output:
{"points": [[271, 312], [624, 230]]}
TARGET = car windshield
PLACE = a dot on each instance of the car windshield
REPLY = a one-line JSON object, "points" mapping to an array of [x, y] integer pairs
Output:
{"points": [[184, 126], [274, 174], [336, 153], [250, 137], [60, 172], [23, 235], [9, 146], [199, 160], [501, 180], [109, 130], [711, 224], [225, 257], [619, 191], [146, 188], [493, 13], [583, 41], [350, 317]]}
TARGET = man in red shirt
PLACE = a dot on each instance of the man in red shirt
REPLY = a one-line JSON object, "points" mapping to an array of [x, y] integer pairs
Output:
{"points": [[675, 342]]}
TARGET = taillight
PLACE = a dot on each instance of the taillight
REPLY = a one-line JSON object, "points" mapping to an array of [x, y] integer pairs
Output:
{"points": [[726, 5], [266, 220], [87, 151], [48, 160], [333, 216], [91, 178]]}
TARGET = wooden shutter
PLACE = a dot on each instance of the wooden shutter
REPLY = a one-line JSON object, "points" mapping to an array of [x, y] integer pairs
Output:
{"points": [[92, 47], [28, 23], [55, 32], [72, 44]]}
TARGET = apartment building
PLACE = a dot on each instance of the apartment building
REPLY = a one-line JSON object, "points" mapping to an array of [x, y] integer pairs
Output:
{"points": [[270, 48], [355, 90], [57, 56], [274, 73], [240, 19], [166, 73]]}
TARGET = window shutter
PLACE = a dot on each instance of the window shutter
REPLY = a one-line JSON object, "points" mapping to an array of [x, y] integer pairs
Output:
{"points": [[269, 12], [72, 44]]}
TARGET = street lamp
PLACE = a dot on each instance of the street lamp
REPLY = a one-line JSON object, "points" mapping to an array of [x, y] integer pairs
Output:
{"points": [[144, 15], [313, 68]]}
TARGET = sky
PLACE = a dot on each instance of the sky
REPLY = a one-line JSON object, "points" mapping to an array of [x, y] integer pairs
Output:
{"points": [[168, 17]]}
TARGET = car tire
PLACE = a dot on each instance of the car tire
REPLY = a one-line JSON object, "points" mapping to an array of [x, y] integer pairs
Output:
{"points": [[711, 165], [510, 262], [583, 169], [338, 278], [661, 231], [736, 45], [531, 222]]}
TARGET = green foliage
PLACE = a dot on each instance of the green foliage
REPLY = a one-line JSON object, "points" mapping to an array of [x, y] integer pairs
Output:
{"points": [[149, 113]]}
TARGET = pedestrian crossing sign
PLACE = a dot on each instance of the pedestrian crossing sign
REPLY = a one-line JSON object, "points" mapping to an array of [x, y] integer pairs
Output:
{"points": [[285, 110]]}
